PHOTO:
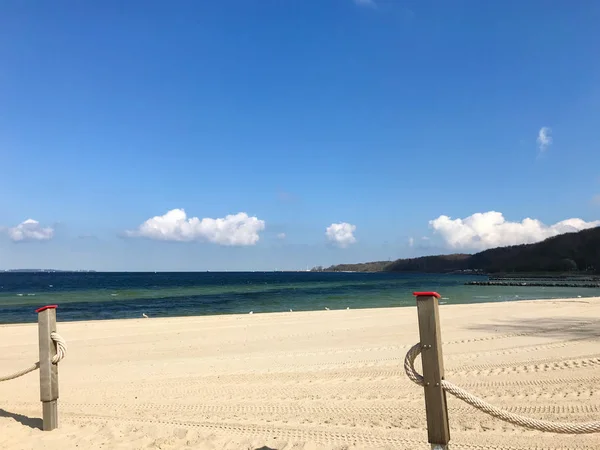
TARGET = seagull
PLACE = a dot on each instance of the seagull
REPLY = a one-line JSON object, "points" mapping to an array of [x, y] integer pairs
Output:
{"points": [[327, 308], [291, 310], [347, 307], [144, 315], [251, 312]]}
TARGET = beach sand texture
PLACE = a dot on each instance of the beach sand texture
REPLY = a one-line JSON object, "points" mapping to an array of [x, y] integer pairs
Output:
{"points": [[307, 380]]}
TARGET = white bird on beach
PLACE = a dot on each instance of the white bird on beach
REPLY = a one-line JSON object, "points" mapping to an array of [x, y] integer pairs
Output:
{"points": [[144, 315], [251, 312], [327, 308], [347, 307], [291, 310]]}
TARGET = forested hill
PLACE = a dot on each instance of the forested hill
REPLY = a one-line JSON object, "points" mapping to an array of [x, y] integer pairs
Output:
{"points": [[571, 252]]}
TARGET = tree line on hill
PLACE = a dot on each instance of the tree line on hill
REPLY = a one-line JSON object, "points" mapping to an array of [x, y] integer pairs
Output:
{"points": [[570, 252]]}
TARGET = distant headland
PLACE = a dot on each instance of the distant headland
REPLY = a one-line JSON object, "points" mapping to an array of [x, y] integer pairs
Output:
{"points": [[44, 270], [571, 253]]}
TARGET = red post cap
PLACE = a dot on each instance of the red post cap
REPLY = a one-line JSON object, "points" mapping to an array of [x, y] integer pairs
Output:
{"points": [[427, 294], [44, 308]]}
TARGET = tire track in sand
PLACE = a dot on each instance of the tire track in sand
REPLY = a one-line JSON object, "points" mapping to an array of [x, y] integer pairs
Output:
{"points": [[322, 436]]}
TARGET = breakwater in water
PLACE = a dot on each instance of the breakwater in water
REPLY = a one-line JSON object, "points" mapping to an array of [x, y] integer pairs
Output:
{"points": [[534, 283]]}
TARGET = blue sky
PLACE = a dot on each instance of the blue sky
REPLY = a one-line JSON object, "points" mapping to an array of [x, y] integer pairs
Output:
{"points": [[380, 118]]}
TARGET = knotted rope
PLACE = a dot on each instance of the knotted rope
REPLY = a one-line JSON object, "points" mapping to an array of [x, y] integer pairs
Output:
{"points": [[527, 422], [61, 352], [61, 347]]}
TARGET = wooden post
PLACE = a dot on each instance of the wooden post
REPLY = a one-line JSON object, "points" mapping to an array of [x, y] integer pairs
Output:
{"points": [[48, 371], [438, 430]]}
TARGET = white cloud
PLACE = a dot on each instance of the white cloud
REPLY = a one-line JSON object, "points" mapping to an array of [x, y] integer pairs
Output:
{"points": [[236, 229], [411, 242], [544, 139], [30, 230], [281, 236], [490, 229], [369, 3], [341, 234]]}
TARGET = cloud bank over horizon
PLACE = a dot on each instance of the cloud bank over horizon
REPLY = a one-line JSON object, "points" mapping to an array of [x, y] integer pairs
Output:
{"points": [[232, 230], [477, 232], [30, 231], [481, 231]]}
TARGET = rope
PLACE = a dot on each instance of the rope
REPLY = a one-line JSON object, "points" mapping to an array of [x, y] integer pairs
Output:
{"points": [[61, 347], [20, 373], [61, 352], [527, 422]]}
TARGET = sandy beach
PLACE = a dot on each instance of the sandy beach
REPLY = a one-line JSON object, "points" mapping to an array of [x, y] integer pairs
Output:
{"points": [[306, 380]]}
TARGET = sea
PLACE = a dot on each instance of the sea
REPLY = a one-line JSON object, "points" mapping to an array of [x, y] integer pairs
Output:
{"points": [[101, 295]]}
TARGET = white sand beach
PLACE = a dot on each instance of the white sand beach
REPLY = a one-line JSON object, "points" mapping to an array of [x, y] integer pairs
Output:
{"points": [[306, 380]]}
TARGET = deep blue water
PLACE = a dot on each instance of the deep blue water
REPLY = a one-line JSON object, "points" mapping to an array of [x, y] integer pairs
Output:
{"points": [[89, 296]]}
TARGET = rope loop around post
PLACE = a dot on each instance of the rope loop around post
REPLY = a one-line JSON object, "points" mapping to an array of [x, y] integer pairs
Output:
{"points": [[409, 365], [476, 402], [61, 347], [61, 352]]}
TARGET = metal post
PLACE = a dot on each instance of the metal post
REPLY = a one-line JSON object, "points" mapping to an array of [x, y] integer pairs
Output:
{"points": [[48, 371], [438, 430]]}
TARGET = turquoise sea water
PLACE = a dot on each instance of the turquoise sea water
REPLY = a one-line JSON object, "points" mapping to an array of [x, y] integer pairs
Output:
{"points": [[89, 296]]}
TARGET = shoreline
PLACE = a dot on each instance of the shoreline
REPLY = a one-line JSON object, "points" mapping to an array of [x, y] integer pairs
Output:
{"points": [[443, 302]]}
